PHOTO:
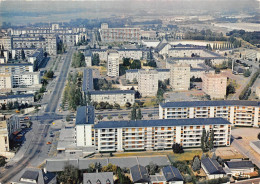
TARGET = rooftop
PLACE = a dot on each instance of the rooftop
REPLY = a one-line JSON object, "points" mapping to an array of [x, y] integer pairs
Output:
{"points": [[32, 175], [16, 64], [139, 174], [161, 122], [210, 103], [172, 174], [85, 115], [212, 166], [112, 92], [16, 96], [239, 164], [102, 177]]}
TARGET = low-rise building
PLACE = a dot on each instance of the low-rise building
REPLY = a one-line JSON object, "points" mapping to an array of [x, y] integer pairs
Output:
{"points": [[98, 178], [87, 82], [21, 99], [148, 82], [139, 175], [158, 134], [214, 85], [112, 63], [212, 168], [240, 167], [120, 97], [237, 112]]}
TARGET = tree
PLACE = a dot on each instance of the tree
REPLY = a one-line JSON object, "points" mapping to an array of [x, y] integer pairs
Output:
{"points": [[196, 163], [203, 156], [49, 74], [247, 73], [99, 117], [150, 115], [126, 62], [120, 116], [23, 54], [133, 113], [78, 60], [202, 143], [152, 168], [177, 148], [117, 106], [258, 136], [2, 161], [68, 118], [127, 105], [16, 105], [139, 114], [109, 117], [211, 140], [136, 64], [70, 175], [231, 89], [10, 105], [214, 156], [95, 59]]}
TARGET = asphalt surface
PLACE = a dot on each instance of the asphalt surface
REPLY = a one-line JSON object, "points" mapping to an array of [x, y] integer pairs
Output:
{"points": [[39, 137]]}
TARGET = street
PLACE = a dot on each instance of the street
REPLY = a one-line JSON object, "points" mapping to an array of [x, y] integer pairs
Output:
{"points": [[37, 150]]}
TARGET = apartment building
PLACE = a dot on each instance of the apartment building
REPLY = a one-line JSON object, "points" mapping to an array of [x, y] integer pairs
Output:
{"points": [[5, 81], [36, 58], [28, 79], [148, 82], [112, 63], [237, 112], [88, 58], [119, 34], [49, 44], [214, 85], [16, 68], [17, 52], [163, 74], [120, 97], [180, 77], [84, 126], [6, 42], [190, 52], [158, 134], [21, 99], [69, 39], [87, 83], [8, 125], [130, 53]]}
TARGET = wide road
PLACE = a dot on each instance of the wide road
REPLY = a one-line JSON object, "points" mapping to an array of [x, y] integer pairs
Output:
{"points": [[40, 134]]}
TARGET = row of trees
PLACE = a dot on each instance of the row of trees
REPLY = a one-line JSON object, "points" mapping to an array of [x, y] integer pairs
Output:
{"points": [[102, 84], [207, 140], [105, 105], [72, 94], [136, 113], [14, 105], [78, 60]]}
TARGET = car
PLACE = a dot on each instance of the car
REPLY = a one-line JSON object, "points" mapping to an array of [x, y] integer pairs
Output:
{"points": [[48, 143], [26, 118], [238, 137]]}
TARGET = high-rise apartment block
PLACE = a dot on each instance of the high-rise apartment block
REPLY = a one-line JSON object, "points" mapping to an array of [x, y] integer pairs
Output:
{"points": [[112, 63], [215, 85], [180, 77], [148, 82]]}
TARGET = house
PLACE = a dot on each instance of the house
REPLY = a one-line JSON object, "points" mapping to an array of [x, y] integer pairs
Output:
{"points": [[139, 174], [172, 175], [239, 167], [33, 175], [212, 168], [98, 178]]}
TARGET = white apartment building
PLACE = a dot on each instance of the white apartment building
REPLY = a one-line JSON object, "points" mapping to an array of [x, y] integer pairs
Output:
{"points": [[84, 126], [21, 99], [119, 34], [237, 112], [163, 74], [130, 53], [6, 42], [148, 82], [158, 134], [5, 81], [215, 85], [120, 97], [16, 68], [28, 79], [8, 125], [180, 77], [190, 52], [88, 58], [17, 53], [112, 63]]}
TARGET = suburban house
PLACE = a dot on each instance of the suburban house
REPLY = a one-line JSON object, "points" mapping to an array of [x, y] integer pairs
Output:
{"points": [[212, 168]]}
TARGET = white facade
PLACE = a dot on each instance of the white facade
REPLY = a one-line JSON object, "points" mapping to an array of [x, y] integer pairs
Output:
{"points": [[6, 81], [112, 64], [148, 82], [163, 74], [16, 68], [242, 113]]}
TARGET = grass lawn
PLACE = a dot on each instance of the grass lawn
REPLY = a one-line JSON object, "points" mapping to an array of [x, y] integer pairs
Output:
{"points": [[187, 155]]}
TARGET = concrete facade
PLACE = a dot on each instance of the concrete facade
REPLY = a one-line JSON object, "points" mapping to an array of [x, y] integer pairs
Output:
{"points": [[148, 82]]}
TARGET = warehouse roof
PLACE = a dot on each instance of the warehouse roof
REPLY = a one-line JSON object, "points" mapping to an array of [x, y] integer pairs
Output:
{"points": [[161, 122], [210, 103]]}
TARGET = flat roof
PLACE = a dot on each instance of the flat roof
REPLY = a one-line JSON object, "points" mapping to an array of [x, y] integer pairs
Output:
{"points": [[210, 103], [85, 115], [32, 175], [112, 92], [16, 96], [193, 58], [161, 122], [239, 164], [16, 64]]}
